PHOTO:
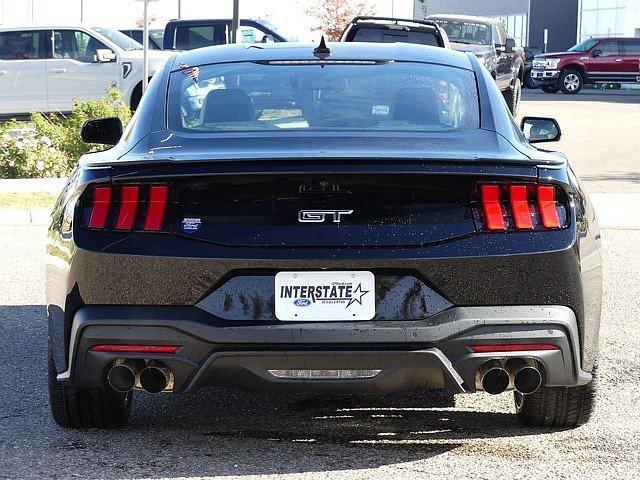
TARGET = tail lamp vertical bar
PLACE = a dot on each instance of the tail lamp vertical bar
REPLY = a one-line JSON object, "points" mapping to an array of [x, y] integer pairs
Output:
{"points": [[100, 208], [158, 195], [128, 207], [492, 207]]}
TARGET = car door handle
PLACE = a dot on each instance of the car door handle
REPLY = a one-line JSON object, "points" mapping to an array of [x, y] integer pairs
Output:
{"points": [[58, 70], [4, 72], [618, 60]]}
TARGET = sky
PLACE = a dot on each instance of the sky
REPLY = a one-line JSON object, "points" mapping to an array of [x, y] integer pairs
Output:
{"points": [[124, 13]]}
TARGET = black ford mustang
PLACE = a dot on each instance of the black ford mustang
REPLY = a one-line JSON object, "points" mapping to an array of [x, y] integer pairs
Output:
{"points": [[360, 218]]}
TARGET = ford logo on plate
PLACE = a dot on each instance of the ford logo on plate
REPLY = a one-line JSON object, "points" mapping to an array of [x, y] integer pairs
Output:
{"points": [[302, 302]]}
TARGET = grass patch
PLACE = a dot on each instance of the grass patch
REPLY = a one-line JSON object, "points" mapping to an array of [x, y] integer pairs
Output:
{"points": [[26, 201]]}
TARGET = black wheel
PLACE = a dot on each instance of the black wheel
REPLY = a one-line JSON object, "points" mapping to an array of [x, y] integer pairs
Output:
{"points": [[571, 81], [512, 97], [550, 88], [560, 407], [87, 407]]}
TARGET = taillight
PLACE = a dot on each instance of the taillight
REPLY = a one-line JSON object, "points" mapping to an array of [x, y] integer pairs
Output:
{"points": [[506, 206], [492, 207], [128, 207], [157, 205], [547, 206], [101, 207], [519, 199]]}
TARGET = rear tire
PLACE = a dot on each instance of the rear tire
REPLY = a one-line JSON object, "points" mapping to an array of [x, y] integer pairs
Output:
{"points": [[87, 407], [560, 407], [571, 81], [550, 88], [512, 97]]}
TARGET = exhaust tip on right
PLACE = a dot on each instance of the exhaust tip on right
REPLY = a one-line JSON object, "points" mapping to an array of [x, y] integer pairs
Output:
{"points": [[156, 378], [527, 380]]}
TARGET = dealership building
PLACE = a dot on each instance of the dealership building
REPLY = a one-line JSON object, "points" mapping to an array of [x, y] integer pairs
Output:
{"points": [[566, 21]]}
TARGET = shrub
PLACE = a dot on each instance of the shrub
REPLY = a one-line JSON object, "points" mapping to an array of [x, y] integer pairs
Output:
{"points": [[25, 154], [64, 132], [50, 145]]}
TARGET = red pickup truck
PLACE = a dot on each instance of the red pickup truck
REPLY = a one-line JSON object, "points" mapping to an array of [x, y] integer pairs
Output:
{"points": [[594, 60]]}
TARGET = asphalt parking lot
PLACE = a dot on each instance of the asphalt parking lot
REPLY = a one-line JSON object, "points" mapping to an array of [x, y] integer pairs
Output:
{"points": [[422, 435]]}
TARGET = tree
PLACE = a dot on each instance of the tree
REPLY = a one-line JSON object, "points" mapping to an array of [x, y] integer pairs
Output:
{"points": [[332, 16]]}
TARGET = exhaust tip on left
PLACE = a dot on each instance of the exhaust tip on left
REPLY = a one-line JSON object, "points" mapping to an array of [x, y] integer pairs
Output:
{"points": [[493, 378], [122, 377]]}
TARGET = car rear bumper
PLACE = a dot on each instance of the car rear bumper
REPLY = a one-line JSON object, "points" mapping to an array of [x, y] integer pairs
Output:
{"points": [[396, 355]]}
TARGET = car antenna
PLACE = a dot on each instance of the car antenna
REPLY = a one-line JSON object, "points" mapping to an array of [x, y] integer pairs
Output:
{"points": [[322, 51]]}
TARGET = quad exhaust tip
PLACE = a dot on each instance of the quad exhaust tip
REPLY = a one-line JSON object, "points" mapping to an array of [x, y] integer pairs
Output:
{"points": [[526, 376], [527, 380], [128, 374], [523, 375], [122, 376], [493, 378], [156, 378]]}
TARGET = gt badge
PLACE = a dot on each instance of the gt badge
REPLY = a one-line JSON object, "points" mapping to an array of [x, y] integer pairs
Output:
{"points": [[319, 216]]}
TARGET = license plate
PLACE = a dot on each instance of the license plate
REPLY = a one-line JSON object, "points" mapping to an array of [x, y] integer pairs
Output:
{"points": [[325, 296]]}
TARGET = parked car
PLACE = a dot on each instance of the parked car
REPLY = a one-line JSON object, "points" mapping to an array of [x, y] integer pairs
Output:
{"points": [[529, 54], [45, 68], [190, 34], [389, 30], [592, 61], [155, 36], [352, 217], [487, 39]]}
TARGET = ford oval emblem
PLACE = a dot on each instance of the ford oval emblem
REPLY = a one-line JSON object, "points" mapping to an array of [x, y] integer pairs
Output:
{"points": [[302, 302]]}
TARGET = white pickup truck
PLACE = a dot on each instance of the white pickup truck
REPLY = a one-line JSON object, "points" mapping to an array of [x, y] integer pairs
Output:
{"points": [[45, 68]]}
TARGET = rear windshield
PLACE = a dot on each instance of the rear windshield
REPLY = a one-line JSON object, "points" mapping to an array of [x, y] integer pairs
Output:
{"points": [[387, 35], [396, 96], [460, 31]]}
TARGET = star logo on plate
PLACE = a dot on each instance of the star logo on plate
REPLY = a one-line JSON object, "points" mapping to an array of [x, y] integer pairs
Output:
{"points": [[359, 293]]}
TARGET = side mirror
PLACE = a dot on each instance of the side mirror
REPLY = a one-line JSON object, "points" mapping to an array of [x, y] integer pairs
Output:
{"points": [[105, 131], [268, 38], [596, 52], [540, 129], [510, 46], [104, 55]]}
